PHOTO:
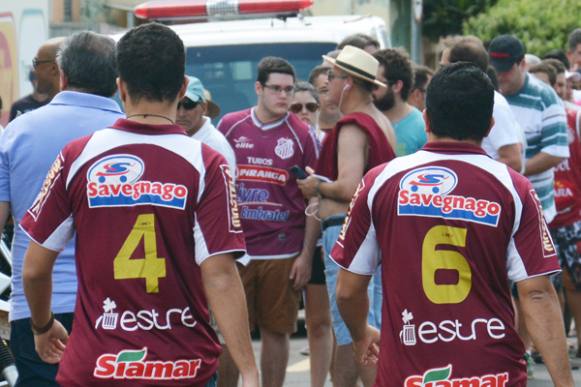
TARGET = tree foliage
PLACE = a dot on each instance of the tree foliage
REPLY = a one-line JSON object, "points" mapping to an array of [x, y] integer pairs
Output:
{"points": [[445, 17], [542, 25]]}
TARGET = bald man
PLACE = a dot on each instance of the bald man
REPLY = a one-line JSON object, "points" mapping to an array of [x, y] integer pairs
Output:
{"points": [[46, 68]]}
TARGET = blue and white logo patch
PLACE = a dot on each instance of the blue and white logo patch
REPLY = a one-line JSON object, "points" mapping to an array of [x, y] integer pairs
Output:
{"points": [[115, 181], [427, 192]]}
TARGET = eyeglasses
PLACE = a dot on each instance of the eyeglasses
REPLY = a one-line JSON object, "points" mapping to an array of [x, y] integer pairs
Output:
{"points": [[36, 62], [331, 75], [298, 107], [188, 104], [279, 89]]}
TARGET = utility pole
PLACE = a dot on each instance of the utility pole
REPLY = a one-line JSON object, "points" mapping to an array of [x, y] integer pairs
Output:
{"points": [[416, 30]]}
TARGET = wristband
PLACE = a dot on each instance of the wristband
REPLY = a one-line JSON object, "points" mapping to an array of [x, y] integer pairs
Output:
{"points": [[317, 188], [37, 331]]}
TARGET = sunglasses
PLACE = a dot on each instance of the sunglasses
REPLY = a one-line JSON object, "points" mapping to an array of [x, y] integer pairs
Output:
{"points": [[298, 107], [36, 62], [188, 104]]}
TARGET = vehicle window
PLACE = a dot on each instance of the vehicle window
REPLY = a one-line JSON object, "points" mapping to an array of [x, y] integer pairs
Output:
{"points": [[229, 72]]}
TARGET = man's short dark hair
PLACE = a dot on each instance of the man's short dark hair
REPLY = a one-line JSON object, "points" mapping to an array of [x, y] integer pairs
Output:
{"points": [[316, 72], [558, 55], [272, 64], [557, 65], [574, 39], [470, 49], [397, 66], [87, 60], [151, 61], [547, 69], [358, 40], [421, 75], [459, 102]]}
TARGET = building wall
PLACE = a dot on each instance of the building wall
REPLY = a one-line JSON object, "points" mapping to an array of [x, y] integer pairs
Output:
{"points": [[58, 11]]}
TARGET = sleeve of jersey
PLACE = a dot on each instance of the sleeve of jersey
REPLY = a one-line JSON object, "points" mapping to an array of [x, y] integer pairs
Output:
{"points": [[357, 249], [49, 220], [311, 152], [531, 252], [555, 140], [217, 228]]}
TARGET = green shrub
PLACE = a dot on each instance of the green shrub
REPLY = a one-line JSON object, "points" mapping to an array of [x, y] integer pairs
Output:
{"points": [[543, 25]]}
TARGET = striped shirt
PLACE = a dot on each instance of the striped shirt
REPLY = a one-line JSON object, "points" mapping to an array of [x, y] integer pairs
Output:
{"points": [[537, 109]]}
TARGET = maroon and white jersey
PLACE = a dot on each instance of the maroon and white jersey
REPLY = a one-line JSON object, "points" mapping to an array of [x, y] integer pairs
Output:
{"points": [[450, 227], [568, 177], [148, 205], [272, 207]]}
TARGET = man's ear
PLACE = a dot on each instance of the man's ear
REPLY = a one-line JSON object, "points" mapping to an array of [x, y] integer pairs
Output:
{"points": [[258, 88], [183, 88], [490, 125], [397, 86], [427, 121], [122, 90], [63, 81]]}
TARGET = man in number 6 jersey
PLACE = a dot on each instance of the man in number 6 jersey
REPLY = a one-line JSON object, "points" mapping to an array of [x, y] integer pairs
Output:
{"points": [[450, 227], [157, 233]]}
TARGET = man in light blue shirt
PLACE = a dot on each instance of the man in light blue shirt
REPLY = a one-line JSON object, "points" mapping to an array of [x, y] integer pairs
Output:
{"points": [[395, 70], [28, 147]]}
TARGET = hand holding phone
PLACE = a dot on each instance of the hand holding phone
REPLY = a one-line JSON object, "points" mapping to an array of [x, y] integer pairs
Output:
{"points": [[298, 172]]}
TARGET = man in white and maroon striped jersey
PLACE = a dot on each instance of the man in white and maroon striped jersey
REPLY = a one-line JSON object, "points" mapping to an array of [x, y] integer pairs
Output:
{"points": [[157, 231], [450, 227], [268, 141]]}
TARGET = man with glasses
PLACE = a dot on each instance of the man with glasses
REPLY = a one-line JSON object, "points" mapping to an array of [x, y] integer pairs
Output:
{"points": [[46, 68], [395, 70], [268, 142], [192, 116]]}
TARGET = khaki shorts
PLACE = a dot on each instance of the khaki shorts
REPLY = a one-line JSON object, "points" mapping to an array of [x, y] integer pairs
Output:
{"points": [[272, 302]]}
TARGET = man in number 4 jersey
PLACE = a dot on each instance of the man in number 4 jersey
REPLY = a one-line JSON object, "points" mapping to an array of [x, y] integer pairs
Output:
{"points": [[450, 227], [157, 232]]}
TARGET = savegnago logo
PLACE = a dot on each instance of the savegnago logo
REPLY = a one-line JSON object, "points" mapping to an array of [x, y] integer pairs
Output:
{"points": [[115, 181], [131, 364], [427, 192], [442, 377]]}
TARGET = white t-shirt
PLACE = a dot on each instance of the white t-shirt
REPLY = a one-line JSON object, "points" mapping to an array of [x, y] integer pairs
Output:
{"points": [[506, 129], [209, 135]]}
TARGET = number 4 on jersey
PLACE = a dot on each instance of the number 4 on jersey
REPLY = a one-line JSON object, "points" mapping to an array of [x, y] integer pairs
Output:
{"points": [[152, 267]]}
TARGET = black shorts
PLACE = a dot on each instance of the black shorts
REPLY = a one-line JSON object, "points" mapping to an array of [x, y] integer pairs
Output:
{"points": [[318, 271]]}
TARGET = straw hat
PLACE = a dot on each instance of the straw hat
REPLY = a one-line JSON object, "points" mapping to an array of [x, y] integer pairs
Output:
{"points": [[358, 63]]}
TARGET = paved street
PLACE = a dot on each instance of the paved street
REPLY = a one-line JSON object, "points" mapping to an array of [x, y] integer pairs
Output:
{"points": [[298, 370]]}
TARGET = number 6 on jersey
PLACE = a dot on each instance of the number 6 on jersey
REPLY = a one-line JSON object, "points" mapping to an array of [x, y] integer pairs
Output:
{"points": [[152, 267], [434, 259]]}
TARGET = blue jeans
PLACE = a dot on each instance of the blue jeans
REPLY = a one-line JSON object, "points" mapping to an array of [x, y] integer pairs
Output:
{"points": [[32, 371], [374, 291]]}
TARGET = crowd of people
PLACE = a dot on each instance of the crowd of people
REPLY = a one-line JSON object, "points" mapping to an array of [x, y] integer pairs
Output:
{"points": [[430, 221]]}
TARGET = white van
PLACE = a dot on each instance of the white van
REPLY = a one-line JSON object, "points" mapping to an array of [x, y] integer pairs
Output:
{"points": [[225, 54]]}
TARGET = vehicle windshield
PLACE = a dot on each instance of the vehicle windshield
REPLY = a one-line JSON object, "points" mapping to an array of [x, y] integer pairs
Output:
{"points": [[229, 72]]}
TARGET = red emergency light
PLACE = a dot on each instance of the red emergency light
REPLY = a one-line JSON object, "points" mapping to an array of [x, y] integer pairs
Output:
{"points": [[172, 9]]}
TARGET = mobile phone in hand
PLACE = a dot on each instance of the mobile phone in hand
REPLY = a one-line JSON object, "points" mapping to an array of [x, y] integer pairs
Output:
{"points": [[298, 172]]}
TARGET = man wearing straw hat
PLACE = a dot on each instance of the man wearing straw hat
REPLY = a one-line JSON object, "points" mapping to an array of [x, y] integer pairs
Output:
{"points": [[361, 140]]}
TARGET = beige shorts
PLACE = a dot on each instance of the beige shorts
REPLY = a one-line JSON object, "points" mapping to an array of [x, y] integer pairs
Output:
{"points": [[272, 302]]}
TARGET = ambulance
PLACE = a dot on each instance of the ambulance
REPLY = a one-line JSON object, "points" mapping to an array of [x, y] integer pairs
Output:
{"points": [[225, 39]]}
